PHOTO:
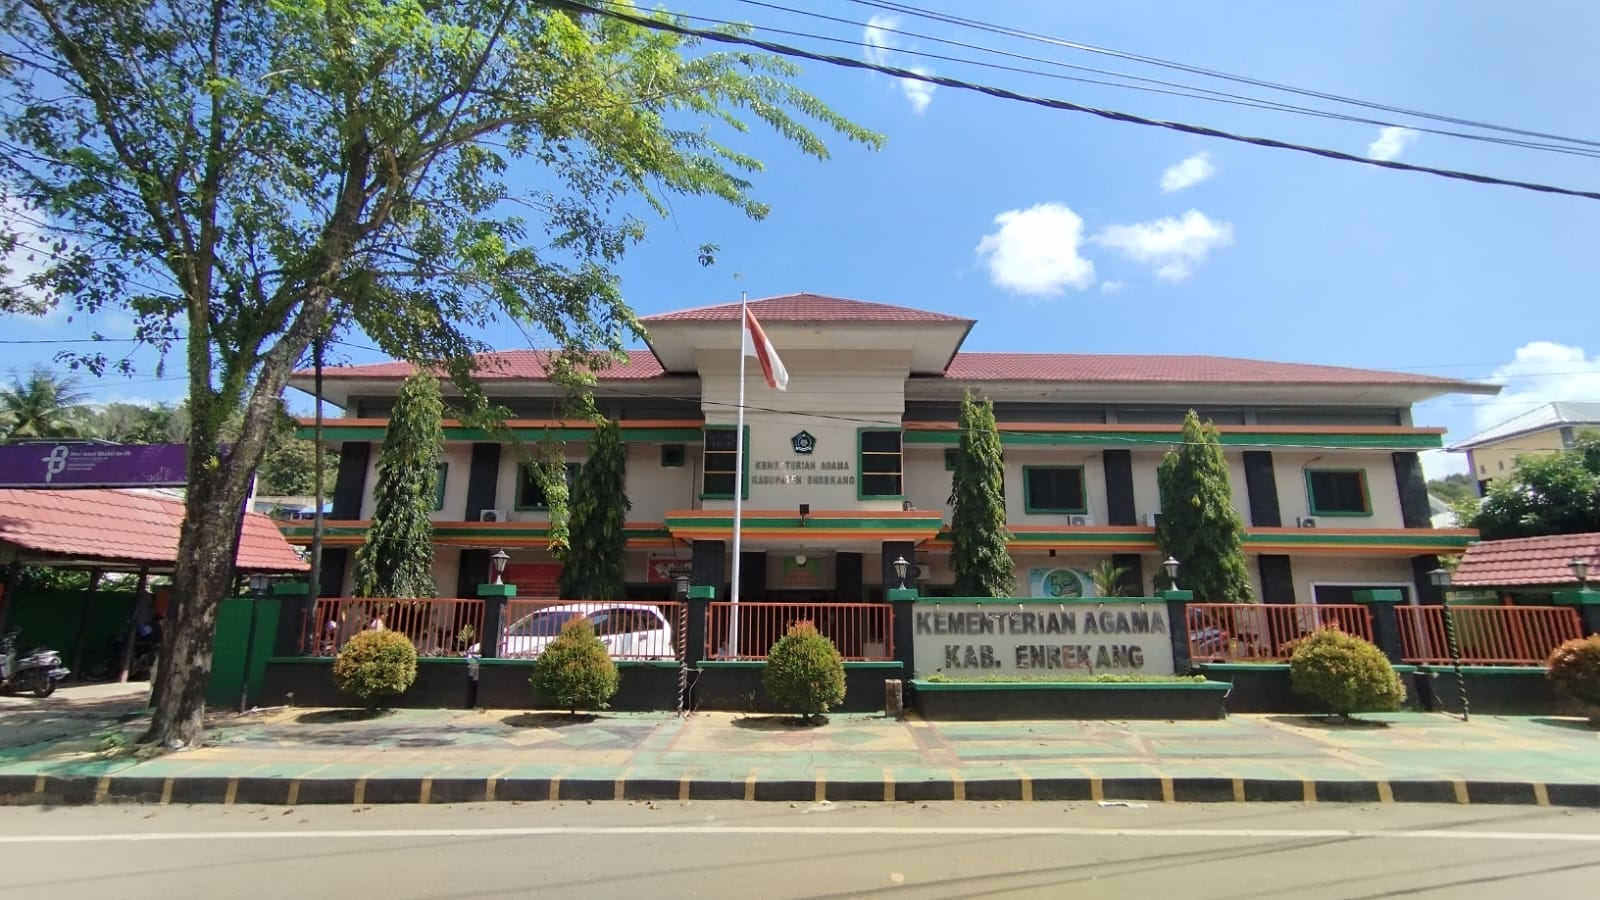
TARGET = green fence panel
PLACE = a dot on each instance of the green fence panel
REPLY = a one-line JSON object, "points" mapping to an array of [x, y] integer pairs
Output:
{"points": [[237, 646], [52, 618]]}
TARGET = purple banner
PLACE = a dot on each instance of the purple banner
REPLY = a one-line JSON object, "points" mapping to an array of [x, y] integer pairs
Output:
{"points": [[81, 465]]}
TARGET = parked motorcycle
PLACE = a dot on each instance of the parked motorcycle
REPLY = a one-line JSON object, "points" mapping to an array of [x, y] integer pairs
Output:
{"points": [[38, 671]]}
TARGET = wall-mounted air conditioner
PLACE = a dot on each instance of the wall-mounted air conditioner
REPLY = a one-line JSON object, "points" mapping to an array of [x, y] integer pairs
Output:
{"points": [[1151, 520], [494, 515], [1080, 520], [1306, 522]]}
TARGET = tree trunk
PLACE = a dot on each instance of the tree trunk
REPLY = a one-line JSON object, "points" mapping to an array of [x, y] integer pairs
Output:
{"points": [[207, 547]]}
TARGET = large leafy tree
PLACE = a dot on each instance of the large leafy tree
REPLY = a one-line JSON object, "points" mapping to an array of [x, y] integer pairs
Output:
{"points": [[397, 558], [43, 405], [978, 533], [250, 176], [1550, 493], [1199, 526], [594, 564]]}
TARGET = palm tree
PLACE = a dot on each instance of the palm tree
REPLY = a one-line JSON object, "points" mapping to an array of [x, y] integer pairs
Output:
{"points": [[1110, 580], [44, 405]]}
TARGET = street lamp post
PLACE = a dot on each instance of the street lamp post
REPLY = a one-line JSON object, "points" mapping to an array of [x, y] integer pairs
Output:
{"points": [[901, 567], [498, 560], [1171, 565], [1580, 571], [1441, 579]]}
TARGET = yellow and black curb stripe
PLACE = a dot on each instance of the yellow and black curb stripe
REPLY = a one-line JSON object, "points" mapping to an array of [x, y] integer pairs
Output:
{"points": [[256, 791]]}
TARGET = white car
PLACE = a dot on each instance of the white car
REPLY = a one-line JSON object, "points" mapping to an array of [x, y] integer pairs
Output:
{"points": [[629, 630]]}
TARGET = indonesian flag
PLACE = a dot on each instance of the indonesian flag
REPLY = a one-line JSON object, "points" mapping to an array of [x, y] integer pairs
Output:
{"points": [[757, 345]]}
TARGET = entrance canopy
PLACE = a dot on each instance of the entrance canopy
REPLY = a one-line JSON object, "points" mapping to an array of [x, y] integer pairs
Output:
{"points": [[120, 529]]}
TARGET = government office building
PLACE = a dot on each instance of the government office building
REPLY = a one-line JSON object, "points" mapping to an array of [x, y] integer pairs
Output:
{"points": [[849, 469]]}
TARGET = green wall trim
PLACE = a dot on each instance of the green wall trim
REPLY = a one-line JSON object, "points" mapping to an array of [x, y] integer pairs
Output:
{"points": [[865, 521], [935, 686], [621, 663], [1538, 670], [374, 434], [1576, 598], [1323, 440]]}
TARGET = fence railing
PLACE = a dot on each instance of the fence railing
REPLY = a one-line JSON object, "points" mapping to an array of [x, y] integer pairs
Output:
{"points": [[1262, 632], [1486, 635], [860, 631], [439, 627], [639, 630]]}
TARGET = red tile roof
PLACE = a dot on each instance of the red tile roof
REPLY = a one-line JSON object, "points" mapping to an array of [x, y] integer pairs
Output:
{"points": [[125, 527], [1153, 368], [1527, 561], [805, 308], [1111, 368], [508, 364]]}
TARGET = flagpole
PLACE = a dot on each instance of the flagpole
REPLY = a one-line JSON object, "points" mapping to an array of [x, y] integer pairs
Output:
{"points": [[738, 488]]}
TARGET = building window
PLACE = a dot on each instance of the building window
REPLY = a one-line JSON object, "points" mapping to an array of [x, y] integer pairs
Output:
{"points": [[720, 463], [881, 467], [1501, 465], [530, 490], [1338, 492], [439, 474], [1054, 489], [671, 456], [951, 454]]}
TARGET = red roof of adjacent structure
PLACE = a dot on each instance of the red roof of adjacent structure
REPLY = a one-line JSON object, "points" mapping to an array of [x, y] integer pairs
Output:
{"points": [[1527, 561], [1186, 369], [806, 308], [126, 527]]}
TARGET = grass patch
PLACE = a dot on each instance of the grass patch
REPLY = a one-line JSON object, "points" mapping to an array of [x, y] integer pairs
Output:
{"points": [[1063, 678]]}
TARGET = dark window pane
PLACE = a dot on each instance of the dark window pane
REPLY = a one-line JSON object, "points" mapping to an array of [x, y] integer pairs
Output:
{"points": [[1338, 492], [531, 493], [719, 484], [1055, 490], [880, 485], [721, 439], [880, 441]]}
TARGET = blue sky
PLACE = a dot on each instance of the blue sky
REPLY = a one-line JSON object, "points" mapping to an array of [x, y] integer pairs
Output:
{"points": [[1062, 232]]}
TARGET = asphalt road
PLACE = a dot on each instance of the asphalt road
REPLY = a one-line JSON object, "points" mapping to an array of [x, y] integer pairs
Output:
{"points": [[731, 850]]}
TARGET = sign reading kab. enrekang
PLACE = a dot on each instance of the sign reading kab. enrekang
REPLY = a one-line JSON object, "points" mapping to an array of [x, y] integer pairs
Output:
{"points": [[88, 465], [1106, 636]]}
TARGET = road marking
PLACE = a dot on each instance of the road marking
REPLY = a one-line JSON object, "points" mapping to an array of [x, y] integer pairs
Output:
{"points": [[1308, 790], [102, 788], [1096, 792], [361, 792], [1238, 790], [1461, 791], [425, 793], [166, 791], [1166, 789], [1385, 792], [683, 788], [228, 798], [488, 789], [1541, 794], [831, 831], [750, 787], [1027, 788]]}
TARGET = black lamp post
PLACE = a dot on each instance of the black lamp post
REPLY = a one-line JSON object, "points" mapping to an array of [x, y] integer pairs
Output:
{"points": [[1441, 578], [498, 560], [901, 567], [1171, 565], [1580, 571]]}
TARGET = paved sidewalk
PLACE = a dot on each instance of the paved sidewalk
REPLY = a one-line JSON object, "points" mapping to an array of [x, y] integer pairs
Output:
{"points": [[83, 753]]}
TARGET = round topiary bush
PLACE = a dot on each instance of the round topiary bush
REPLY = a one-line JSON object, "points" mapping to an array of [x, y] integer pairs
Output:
{"points": [[1344, 674], [575, 670], [804, 672], [375, 665], [1575, 669]]}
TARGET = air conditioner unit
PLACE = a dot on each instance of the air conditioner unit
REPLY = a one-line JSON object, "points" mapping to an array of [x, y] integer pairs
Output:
{"points": [[1080, 520], [494, 515], [1152, 520], [1306, 522]]}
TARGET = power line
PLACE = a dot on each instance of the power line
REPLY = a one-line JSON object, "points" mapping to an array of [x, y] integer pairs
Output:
{"points": [[1063, 105], [1177, 89], [952, 19]]}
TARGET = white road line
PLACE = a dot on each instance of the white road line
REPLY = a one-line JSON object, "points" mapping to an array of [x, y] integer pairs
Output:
{"points": [[697, 830]]}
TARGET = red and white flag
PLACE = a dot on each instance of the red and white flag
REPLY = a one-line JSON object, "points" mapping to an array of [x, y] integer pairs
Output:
{"points": [[757, 345]]}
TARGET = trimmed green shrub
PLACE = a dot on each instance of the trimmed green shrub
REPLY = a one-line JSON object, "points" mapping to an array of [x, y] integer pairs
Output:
{"points": [[1575, 669], [575, 670], [1345, 674], [375, 665], [804, 672]]}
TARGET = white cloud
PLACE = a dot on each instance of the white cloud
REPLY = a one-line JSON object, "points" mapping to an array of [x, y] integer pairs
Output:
{"points": [[1188, 173], [1035, 251], [1391, 141], [1112, 287], [1174, 246], [1539, 372], [1439, 463], [879, 37]]}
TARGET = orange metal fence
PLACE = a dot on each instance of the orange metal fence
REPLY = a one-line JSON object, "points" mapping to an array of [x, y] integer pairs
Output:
{"points": [[1262, 632], [441, 627], [641, 630], [1486, 635], [861, 631]]}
